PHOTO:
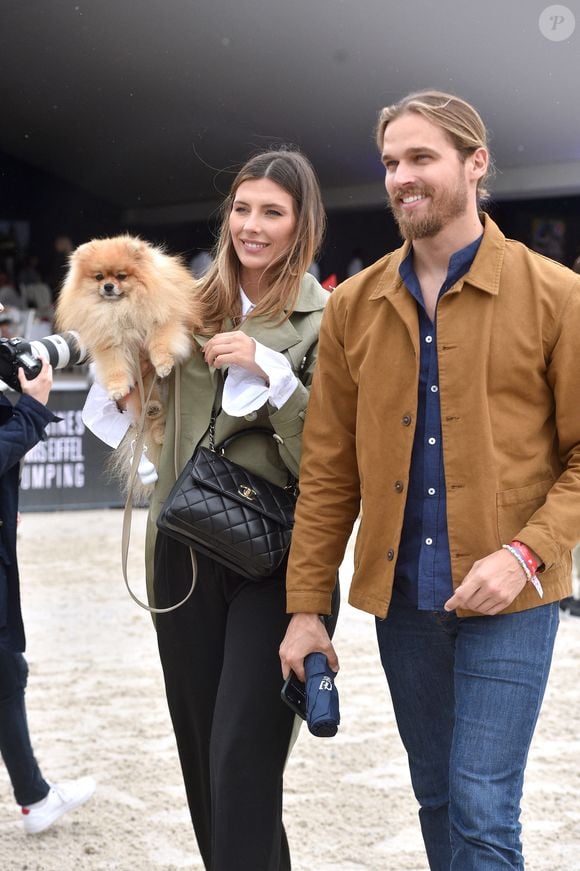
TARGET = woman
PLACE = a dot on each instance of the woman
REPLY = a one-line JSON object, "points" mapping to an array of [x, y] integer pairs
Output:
{"points": [[219, 651]]}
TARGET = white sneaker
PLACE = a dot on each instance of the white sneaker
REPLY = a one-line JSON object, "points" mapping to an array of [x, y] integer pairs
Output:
{"points": [[62, 797]]}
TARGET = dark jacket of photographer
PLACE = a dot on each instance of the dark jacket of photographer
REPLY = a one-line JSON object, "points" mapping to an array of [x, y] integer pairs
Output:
{"points": [[21, 427]]}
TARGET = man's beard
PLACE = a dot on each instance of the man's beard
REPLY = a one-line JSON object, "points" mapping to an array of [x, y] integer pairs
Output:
{"points": [[451, 204]]}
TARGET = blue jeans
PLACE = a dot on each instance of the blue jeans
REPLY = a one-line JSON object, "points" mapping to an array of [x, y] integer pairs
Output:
{"points": [[466, 694], [27, 782]]}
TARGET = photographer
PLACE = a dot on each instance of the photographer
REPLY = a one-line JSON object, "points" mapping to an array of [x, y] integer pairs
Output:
{"points": [[23, 418]]}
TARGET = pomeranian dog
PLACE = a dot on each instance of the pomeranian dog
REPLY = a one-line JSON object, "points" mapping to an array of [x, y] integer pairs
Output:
{"points": [[135, 309]]}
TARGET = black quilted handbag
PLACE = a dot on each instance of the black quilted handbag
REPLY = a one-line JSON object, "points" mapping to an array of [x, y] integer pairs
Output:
{"points": [[220, 509]]}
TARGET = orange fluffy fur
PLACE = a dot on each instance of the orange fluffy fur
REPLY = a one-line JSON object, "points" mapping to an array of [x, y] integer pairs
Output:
{"points": [[131, 303]]}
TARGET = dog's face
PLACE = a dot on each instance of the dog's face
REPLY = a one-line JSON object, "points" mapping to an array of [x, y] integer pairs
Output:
{"points": [[111, 269]]}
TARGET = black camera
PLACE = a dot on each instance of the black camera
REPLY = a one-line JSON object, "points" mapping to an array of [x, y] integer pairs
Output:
{"points": [[61, 349]]}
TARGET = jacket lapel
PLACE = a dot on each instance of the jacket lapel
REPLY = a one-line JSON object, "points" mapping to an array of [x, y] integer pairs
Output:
{"points": [[278, 337], [392, 288]]}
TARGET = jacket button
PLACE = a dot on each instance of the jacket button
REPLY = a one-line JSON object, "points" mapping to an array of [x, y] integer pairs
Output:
{"points": [[406, 420], [390, 554], [399, 486]]}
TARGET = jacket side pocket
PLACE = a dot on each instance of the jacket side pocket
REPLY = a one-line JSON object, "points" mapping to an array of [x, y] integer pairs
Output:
{"points": [[516, 506]]}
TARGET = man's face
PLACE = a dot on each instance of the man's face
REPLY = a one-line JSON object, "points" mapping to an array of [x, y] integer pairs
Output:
{"points": [[426, 180]]}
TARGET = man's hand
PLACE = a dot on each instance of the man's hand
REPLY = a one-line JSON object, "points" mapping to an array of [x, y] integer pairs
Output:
{"points": [[39, 387], [491, 584], [306, 634]]}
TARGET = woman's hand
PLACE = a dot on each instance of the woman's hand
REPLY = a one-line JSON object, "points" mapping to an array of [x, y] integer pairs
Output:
{"points": [[225, 349]]}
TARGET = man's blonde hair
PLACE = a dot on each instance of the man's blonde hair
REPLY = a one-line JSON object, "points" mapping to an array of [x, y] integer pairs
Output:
{"points": [[456, 117]]}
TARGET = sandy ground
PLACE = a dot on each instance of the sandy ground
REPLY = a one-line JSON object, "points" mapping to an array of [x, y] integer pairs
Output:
{"points": [[96, 706]]}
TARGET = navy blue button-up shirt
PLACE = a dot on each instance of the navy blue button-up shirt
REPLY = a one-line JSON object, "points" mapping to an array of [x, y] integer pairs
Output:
{"points": [[423, 571]]}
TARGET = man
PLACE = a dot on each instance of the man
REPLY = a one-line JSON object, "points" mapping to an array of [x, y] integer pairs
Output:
{"points": [[22, 423], [446, 404]]}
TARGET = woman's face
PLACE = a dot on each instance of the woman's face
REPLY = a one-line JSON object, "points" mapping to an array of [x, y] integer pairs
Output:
{"points": [[262, 224]]}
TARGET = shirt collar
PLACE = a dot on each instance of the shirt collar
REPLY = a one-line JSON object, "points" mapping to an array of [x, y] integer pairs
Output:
{"points": [[459, 262], [312, 297], [247, 304], [484, 274]]}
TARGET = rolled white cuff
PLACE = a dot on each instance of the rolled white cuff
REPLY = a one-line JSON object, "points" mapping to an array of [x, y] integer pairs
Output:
{"points": [[103, 417], [245, 392]]}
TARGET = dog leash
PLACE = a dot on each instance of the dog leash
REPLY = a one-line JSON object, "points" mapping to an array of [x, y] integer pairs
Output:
{"points": [[128, 512]]}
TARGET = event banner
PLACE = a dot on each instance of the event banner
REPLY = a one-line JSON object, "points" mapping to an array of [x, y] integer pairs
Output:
{"points": [[69, 469]]}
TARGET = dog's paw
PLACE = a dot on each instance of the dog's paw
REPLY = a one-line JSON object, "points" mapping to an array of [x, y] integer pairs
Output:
{"points": [[117, 392], [164, 368], [154, 410]]}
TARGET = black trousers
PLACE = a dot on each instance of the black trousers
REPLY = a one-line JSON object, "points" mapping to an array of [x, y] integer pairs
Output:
{"points": [[219, 654], [27, 781]]}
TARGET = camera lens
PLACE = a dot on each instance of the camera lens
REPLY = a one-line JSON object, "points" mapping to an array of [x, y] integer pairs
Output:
{"points": [[60, 349]]}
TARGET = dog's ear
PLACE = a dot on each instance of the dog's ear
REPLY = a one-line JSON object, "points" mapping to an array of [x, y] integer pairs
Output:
{"points": [[136, 247], [79, 252], [85, 252]]}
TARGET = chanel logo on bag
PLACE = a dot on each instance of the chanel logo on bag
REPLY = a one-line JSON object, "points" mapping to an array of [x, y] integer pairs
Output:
{"points": [[247, 492]]}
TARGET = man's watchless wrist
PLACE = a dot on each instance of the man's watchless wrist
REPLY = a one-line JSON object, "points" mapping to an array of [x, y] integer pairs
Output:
{"points": [[529, 562]]}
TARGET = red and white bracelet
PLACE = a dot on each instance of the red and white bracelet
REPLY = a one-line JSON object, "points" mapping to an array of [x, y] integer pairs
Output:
{"points": [[528, 562]]}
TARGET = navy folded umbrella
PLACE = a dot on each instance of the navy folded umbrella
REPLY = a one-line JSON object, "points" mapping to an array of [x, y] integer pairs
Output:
{"points": [[322, 714]]}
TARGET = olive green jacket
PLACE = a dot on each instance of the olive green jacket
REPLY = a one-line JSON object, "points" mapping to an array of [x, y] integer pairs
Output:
{"points": [[201, 388]]}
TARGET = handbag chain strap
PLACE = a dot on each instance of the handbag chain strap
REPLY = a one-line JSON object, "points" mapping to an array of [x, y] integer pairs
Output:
{"points": [[211, 431], [292, 483]]}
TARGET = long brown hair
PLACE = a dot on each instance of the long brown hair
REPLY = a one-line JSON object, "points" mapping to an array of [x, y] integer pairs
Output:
{"points": [[220, 286]]}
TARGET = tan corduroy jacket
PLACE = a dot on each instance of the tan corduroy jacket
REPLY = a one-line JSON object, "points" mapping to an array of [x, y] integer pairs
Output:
{"points": [[201, 386], [508, 344]]}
